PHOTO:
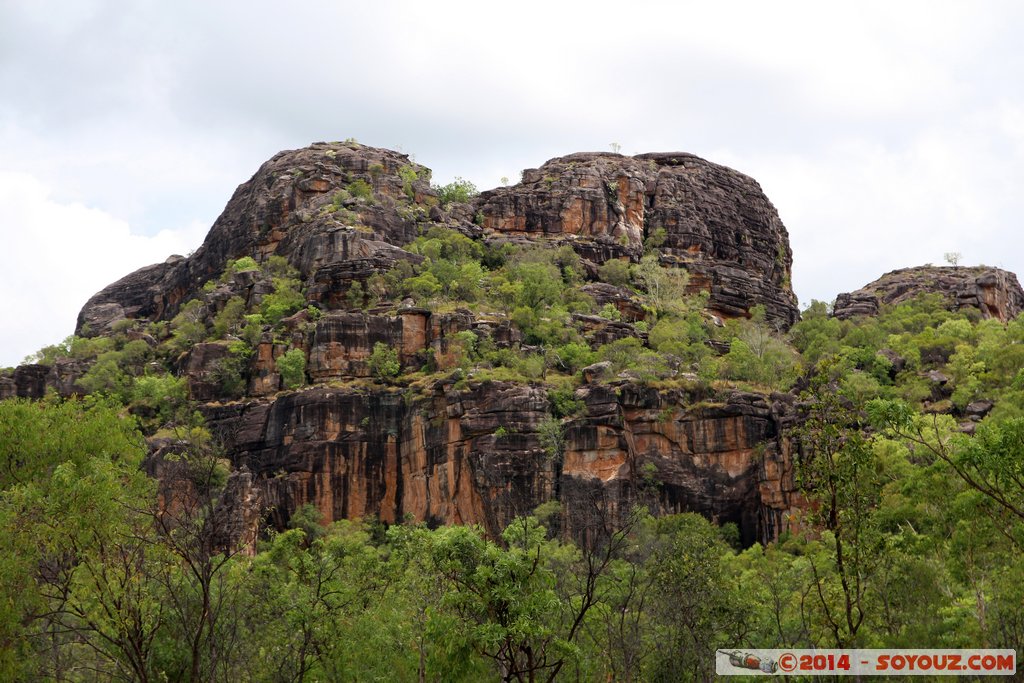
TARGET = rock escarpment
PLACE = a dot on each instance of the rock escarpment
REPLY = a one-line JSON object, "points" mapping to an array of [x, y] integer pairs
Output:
{"points": [[455, 448], [475, 455], [717, 223], [310, 207], [995, 293], [303, 205]]}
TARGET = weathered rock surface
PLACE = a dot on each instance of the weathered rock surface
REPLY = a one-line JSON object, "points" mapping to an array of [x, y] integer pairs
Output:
{"points": [[475, 456], [33, 381], [237, 517], [995, 293], [718, 224], [309, 206], [339, 212]]}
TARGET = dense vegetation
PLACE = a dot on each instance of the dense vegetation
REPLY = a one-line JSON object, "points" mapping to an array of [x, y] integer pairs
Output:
{"points": [[910, 451]]}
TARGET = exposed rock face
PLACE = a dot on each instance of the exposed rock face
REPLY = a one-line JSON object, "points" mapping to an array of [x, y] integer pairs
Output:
{"points": [[236, 519], [342, 343], [341, 212], [718, 224], [291, 207], [32, 381], [994, 292], [310, 206], [474, 456]]}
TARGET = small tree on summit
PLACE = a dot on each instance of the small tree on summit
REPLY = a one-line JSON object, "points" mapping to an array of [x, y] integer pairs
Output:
{"points": [[953, 258]]}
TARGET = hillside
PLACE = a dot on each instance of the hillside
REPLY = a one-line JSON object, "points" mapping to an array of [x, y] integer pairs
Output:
{"points": [[367, 334], [572, 428]]}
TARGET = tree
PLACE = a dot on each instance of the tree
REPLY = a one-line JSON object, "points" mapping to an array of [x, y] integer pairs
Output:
{"points": [[458, 191], [990, 463], [953, 258], [384, 362], [188, 327], [300, 594], [690, 604], [230, 318], [665, 287], [286, 299], [292, 366], [77, 569], [835, 470], [501, 599], [200, 528]]}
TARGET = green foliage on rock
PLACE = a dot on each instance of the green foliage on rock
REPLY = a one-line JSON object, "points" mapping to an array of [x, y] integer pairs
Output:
{"points": [[292, 366], [384, 362], [360, 189], [615, 272], [287, 298], [458, 191]]}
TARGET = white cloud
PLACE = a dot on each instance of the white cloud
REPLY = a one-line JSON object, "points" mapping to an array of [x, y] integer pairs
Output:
{"points": [[56, 255], [859, 209]]}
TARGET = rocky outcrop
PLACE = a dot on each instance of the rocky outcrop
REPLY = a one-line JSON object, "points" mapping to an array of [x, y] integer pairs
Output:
{"points": [[339, 212], [474, 455], [342, 343], [995, 293], [319, 207], [717, 223], [33, 381], [443, 451]]}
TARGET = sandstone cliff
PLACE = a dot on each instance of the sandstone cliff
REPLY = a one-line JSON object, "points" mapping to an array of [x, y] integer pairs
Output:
{"points": [[304, 205], [995, 293], [474, 455], [448, 447], [718, 224]]}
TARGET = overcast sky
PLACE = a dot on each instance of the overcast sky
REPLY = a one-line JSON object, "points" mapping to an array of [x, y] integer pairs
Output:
{"points": [[886, 133]]}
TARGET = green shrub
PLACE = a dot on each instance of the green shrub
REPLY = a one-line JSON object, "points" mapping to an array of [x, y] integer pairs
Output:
{"points": [[360, 189], [564, 403], [252, 330], [467, 343], [458, 191], [286, 299], [355, 296], [680, 336], [614, 272], [384, 362], [188, 328], [448, 244], [229, 373], [551, 434], [655, 240], [243, 264], [422, 287], [278, 266], [292, 366], [408, 176], [161, 398], [665, 287], [575, 356], [610, 312], [622, 353], [770, 363], [230, 318], [107, 377]]}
